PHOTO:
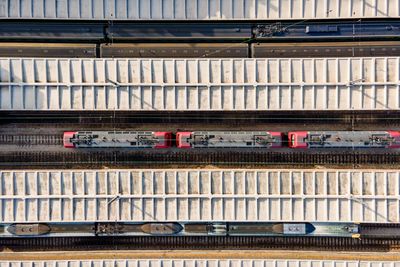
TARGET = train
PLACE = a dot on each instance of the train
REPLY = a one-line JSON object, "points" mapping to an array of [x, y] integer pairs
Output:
{"points": [[241, 139], [199, 40], [180, 229], [344, 139], [201, 50], [232, 139], [117, 139]]}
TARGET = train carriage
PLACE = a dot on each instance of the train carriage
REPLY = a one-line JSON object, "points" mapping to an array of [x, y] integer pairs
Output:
{"points": [[229, 139], [344, 139], [117, 139]]}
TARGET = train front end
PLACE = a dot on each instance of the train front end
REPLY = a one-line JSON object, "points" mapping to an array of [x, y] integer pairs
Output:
{"points": [[67, 139], [395, 135]]}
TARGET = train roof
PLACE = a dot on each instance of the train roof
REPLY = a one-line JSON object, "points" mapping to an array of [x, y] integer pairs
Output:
{"points": [[281, 261], [197, 10]]}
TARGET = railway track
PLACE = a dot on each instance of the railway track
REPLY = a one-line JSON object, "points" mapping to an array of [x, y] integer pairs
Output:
{"points": [[205, 242], [31, 139], [379, 117], [105, 32], [95, 159]]}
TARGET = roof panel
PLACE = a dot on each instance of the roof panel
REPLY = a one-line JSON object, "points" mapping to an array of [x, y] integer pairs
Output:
{"points": [[200, 195], [200, 84], [197, 9], [200, 262]]}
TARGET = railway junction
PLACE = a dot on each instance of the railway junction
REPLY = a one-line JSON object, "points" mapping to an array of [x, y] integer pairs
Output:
{"points": [[199, 133]]}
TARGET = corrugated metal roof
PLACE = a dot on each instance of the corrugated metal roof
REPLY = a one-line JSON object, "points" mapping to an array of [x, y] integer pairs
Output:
{"points": [[200, 195], [197, 9], [200, 84], [200, 263]]}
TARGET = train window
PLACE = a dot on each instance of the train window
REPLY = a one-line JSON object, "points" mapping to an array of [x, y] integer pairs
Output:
{"points": [[133, 143]]}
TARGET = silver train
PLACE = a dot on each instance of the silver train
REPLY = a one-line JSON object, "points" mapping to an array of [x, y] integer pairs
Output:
{"points": [[180, 229], [201, 50]]}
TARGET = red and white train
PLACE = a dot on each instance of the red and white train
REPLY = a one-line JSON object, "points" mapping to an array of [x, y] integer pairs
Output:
{"points": [[232, 139], [117, 139], [344, 139], [208, 139]]}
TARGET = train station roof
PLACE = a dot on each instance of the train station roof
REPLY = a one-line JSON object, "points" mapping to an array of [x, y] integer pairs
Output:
{"points": [[143, 195], [308, 84], [198, 10]]}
